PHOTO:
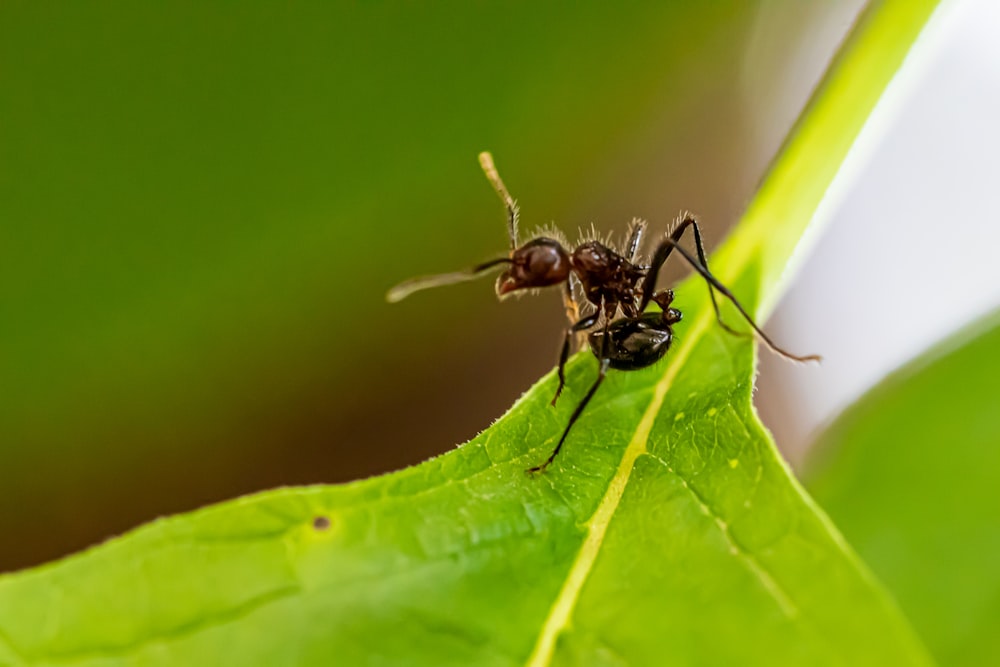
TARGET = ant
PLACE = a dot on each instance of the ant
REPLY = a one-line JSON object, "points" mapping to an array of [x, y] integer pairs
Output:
{"points": [[611, 283]]}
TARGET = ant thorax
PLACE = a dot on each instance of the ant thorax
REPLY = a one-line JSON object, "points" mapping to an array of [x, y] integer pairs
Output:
{"points": [[601, 277], [607, 278]]}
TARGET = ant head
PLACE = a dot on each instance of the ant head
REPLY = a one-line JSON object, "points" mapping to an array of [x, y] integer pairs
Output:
{"points": [[538, 263]]}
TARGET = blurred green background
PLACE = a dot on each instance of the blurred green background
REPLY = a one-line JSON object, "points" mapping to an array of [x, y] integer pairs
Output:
{"points": [[202, 205]]}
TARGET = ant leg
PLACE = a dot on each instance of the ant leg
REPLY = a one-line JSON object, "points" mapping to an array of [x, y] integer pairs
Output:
{"points": [[569, 300], [601, 372], [661, 255], [605, 364], [670, 244], [585, 323], [636, 231]]}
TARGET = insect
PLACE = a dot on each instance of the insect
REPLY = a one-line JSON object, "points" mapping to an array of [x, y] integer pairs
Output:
{"points": [[616, 288]]}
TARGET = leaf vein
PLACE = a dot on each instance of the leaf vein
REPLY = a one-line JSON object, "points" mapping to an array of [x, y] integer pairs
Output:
{"points": [[770, 584]]}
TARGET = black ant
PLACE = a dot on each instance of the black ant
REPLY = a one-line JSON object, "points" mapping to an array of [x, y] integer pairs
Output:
{"points": [[610, 282]]}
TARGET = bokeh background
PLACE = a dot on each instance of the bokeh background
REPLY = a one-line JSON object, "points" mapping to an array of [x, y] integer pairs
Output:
{"points": [[202, 205], [908, 252]]}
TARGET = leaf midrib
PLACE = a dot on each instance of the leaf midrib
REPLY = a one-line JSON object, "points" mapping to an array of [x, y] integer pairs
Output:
{"points": [[597, 525]]}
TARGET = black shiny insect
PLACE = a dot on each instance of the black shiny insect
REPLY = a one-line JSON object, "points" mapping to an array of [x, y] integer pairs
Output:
{"points": [[612, 283]]}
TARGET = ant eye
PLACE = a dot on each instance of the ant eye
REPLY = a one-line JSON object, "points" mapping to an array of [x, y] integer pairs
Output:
{"points": [[538, 263]]}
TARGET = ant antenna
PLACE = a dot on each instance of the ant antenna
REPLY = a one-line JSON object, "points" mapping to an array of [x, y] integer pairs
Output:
{"points": [[669, 244], [408, 287], [493, 176]]}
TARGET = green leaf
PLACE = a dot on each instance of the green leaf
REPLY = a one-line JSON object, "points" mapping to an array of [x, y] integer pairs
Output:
{"points": [[669, 530], [910, 474], [180, 217]]}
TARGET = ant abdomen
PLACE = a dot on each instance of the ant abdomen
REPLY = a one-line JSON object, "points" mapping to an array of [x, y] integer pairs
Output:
{"points": [[633, 343]]}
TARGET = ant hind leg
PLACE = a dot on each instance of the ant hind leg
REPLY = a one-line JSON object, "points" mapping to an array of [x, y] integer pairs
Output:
{"points": [[670, 244], [661, 255]]}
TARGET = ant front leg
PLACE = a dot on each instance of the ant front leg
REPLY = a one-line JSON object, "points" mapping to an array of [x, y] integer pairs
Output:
{"points": [[601, 372], [585, 323]]}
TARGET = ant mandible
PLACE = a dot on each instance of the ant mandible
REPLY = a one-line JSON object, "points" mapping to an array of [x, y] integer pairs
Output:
{"points": [[611, 283]]}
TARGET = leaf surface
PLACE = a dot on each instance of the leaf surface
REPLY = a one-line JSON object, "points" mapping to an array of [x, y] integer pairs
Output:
{"points": [[669, 530], [910, 474]]}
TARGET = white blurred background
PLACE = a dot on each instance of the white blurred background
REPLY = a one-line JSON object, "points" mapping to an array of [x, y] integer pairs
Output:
{"points": [[906, 253]]}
